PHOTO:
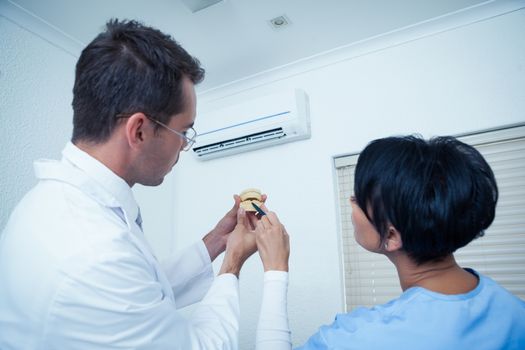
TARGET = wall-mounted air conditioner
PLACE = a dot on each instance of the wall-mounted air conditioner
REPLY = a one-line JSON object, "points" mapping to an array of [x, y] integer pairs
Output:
{"points": [[253, 124]]}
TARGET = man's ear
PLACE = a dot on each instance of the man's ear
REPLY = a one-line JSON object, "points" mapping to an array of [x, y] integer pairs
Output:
{"points": [[135, 129], [393, 240]]}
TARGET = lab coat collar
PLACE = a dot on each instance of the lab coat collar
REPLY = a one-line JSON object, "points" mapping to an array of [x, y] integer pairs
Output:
{"points": [[110, 182]]}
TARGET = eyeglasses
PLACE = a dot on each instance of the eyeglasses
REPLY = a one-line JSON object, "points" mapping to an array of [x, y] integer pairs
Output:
{"points": [[188, 136]]}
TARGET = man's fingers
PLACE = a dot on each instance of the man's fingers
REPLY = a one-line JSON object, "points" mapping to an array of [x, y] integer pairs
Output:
{"points": [[241, 217], [236, 202], [252, 219]]}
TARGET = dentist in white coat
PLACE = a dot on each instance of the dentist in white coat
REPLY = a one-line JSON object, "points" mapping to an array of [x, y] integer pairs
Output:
{"points": [[75, 269]]}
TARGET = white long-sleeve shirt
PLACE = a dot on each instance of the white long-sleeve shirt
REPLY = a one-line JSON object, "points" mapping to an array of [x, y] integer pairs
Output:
{"points": [[77, 273], [273, 331]]}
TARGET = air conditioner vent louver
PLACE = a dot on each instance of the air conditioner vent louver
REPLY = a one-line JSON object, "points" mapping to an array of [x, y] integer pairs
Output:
{"points": [[248, 125], [262, 136]]}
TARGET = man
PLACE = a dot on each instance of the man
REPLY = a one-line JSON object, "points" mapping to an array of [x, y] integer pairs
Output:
{"points": [[75, 269]]}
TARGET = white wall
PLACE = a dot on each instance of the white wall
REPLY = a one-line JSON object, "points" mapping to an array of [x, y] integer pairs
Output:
{"points": [[36, 80], [450, 82]]}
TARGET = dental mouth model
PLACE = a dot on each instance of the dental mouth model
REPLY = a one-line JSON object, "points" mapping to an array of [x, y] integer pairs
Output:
{"points": [[248, 196]]}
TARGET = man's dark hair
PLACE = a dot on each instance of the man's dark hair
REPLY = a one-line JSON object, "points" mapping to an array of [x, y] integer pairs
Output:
{"points": [[126, 69], [439, 194]]}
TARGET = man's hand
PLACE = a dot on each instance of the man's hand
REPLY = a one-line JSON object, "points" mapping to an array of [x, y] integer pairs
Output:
{"points": [[240, 245], [273, 242], [216, 239]]}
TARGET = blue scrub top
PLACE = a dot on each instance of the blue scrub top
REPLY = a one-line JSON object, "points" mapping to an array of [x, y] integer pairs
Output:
{"points": [[488, 317]]}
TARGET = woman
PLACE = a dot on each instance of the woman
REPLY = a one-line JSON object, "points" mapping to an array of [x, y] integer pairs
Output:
{"points": [[417, 202]]}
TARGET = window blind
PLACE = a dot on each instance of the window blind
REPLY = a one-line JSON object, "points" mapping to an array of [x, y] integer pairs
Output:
{"points": [[371, 279]]}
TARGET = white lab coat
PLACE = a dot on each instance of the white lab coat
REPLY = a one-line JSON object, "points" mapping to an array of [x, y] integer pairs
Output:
{"points": [[77, 273]]}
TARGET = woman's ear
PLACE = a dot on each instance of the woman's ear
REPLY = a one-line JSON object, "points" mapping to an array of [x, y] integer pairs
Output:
{"points": [[393, 240], [135, 129]]}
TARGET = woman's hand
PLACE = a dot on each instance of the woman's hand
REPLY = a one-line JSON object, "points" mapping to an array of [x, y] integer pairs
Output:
{"points": [[272, 241]]}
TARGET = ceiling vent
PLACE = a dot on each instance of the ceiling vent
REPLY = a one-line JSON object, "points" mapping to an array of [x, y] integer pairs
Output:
{"points": [[280, 22]]}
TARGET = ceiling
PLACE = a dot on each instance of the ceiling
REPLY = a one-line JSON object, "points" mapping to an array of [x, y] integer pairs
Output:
{"points": [[233, 38]]}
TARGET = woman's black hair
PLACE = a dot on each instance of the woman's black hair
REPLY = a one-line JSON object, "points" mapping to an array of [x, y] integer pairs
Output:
{"points": [[439, 194]]}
